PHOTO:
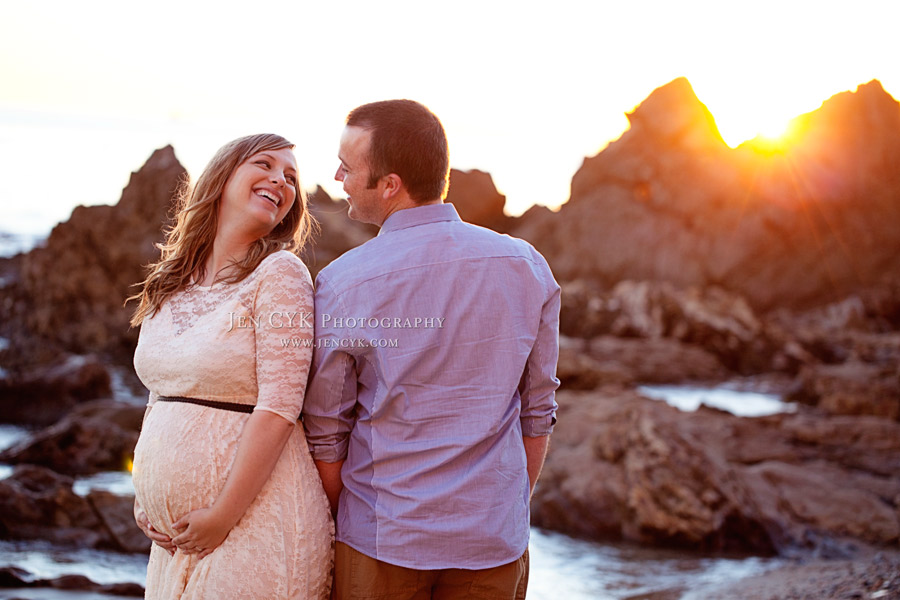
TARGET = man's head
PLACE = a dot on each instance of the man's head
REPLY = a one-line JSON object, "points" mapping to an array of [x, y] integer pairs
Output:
{"points": [[408, 140]]}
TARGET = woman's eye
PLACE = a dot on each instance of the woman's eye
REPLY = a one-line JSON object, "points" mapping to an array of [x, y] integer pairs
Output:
{"points": [[265, 163], [292, 179]]}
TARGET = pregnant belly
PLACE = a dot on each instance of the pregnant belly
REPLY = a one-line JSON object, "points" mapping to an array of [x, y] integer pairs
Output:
{"points": [[182, 460]]}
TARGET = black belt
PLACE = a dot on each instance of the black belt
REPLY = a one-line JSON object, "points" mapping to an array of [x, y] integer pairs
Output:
{"points": [[232, 406]]}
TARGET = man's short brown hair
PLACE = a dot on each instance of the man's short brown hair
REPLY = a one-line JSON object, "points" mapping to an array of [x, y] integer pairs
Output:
{"points": [[408, 140]]}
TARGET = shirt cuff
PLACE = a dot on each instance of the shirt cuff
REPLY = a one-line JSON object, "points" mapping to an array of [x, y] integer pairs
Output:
{"points": [[330, 453], [538, 426]]}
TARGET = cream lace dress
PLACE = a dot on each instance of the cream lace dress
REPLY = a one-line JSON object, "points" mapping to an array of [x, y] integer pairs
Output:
{"points": [[247, 343]]}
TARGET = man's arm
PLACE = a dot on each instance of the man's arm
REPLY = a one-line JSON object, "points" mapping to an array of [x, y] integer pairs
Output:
{"points": [[329, 408], [535, 453], [537, 387], [330, 473]]}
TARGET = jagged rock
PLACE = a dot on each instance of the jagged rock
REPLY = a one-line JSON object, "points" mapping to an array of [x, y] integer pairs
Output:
{"points": [[862, 327], [13, 577], [577, 370], [36, 503], [710, 320], [117, 515], [713, 319], [619, 468], [655, 360], [669, 201], [624, 467], [477, 200], [857, 366], [820, 498], [864, 444], [71, 291], [96, 436], [584, 310], [851, 388], [42, 394]]}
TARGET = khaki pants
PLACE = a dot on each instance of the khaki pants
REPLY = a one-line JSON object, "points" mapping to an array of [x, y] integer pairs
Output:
{"points": [[360, 577]]}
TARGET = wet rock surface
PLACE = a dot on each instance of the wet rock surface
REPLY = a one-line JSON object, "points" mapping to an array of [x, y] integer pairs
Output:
{"points": [[95, 436], [39, 504], [13, 577]]}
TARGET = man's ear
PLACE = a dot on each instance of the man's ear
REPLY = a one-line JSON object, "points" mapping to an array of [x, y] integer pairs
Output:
{"points": [[392, 186]]}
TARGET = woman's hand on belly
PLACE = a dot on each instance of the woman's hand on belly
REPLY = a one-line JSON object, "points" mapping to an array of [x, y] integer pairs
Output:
{"points": [[143, 522], [263, 438], [201, 531]]}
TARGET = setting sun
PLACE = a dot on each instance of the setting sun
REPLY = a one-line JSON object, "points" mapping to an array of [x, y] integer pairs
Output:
{"points": [[739, 122], [776, 130]]}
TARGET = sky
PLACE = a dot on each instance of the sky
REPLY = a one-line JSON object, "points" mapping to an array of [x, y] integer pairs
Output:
{"points": [[525, 90]]}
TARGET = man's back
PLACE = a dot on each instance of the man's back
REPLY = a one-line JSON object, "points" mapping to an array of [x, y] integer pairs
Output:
{"points": [[437, 340]]}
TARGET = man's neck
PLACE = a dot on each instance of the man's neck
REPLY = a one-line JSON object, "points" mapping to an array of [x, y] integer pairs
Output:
{"points": [[409, 203]]}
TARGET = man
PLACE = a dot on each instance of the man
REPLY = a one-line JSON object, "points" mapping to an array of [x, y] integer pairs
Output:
{"points": [[431, 396]]}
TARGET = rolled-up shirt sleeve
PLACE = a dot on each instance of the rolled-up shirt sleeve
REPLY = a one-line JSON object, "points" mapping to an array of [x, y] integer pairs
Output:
{"points": [[328, 413], [538, 385]]}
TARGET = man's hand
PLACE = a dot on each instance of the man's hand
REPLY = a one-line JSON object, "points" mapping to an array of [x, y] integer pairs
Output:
{"points": [[330, 474], [200, 532], [535, 453], [143, 522]]}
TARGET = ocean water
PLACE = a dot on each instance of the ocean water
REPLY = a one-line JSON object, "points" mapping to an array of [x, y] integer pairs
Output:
{"points": [[12, 243], [738, 402]]}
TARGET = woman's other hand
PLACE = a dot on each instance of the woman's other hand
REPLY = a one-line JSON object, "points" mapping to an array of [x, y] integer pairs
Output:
{"points": [[143, 523], [200, 532]]}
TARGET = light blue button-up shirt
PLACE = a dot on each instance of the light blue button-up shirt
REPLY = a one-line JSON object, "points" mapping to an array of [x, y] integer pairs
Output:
{"points": [[436, 350]]}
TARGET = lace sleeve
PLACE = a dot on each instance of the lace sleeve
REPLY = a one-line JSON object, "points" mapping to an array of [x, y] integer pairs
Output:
{"points": [[284, 335]]}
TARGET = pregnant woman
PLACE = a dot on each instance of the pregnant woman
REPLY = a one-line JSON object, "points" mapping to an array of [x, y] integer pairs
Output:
{"points": [[224, 483]]}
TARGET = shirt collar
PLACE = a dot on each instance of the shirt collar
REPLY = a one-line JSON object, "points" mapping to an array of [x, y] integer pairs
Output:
{"points": [[419, 215]]}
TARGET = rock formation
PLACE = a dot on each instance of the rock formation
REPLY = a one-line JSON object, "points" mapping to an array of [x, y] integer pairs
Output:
{"points": [[95, 436], [812, 222], [718, 322], [14, 577], [625, 467], [40, 394], [477, 200], [37, 503], [70, 293]]}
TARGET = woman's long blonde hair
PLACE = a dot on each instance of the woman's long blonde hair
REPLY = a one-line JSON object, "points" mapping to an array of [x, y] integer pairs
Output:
{"points": [[189, 242]]}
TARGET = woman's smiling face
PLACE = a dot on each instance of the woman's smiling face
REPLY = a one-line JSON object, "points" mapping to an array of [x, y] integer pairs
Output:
{"points": [[260, 192]]}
